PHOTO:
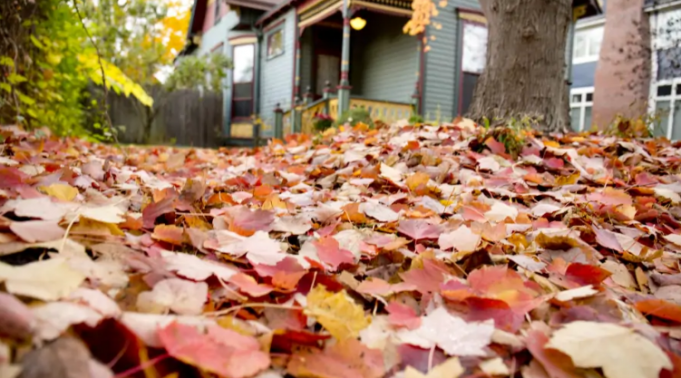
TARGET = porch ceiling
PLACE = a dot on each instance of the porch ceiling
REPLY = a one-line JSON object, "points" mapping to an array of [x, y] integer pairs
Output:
{"points": [[321, 9]]}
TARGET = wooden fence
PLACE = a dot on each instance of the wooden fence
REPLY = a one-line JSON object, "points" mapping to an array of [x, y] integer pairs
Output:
{"points": [[185, 118]]}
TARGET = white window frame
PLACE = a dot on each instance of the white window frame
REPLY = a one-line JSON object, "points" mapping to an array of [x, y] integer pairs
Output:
{"points": [[674, 101], [589, 35], [582, 104]]}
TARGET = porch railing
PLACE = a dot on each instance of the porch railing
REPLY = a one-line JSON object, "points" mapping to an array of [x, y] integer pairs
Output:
{"points": [[301, 117]]}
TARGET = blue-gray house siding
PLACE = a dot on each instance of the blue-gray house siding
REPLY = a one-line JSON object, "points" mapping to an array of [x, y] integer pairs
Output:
{"points": [[442, 63], [384, 60], [277, 72]]}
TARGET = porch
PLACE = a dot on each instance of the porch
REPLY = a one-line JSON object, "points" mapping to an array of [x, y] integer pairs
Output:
{"points": [[379, 72]]}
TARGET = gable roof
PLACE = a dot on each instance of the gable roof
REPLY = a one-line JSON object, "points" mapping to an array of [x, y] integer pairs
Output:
{"points": [[257, 4], [200, 6]]}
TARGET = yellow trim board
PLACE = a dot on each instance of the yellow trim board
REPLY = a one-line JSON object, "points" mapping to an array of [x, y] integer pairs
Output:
{"points": [[237, 41], [474, 17], [387, 8]]}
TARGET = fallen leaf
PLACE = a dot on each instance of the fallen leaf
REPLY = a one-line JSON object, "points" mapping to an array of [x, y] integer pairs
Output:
{"points": [[580, 292], [67, 357], [62, 192], [619, 351], [462, 239], [660, 308], [401, 315], [47, 280], [449, 369], [180, 296], [379, 212], [330, 253], [220, 351], [451, 333], [16, 319], [346, 359], [195, 268], [419, 229], [495, 366], [37, 231], [500, 212], [337, 312]]}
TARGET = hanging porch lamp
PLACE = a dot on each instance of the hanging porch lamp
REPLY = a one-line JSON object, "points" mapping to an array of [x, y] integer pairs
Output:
{"points": [[358, 23]]}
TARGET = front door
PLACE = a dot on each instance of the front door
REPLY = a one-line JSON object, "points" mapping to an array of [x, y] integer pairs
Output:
{"points": [[328, 69]]}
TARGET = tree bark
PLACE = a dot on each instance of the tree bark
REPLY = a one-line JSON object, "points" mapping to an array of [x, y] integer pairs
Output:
{"points": [[525, 68]]}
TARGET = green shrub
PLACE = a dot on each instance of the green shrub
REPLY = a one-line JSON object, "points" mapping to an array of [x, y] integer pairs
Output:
{"points": [[355, 116], [322, 122], [415, 118]]}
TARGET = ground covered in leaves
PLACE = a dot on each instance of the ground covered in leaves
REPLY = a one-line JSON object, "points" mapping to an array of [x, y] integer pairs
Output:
{"points": [[407, 251]]}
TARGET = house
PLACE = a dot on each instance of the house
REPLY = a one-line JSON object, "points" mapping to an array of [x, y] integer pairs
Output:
{"points": [[303, 57], [584, 51], [637, 70]]}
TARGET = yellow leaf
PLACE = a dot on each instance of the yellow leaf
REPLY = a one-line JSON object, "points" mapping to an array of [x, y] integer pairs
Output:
{"points": [[449, 369], [64, 192], [91, 227], [337, 312], [417, 179], [551, 143]]}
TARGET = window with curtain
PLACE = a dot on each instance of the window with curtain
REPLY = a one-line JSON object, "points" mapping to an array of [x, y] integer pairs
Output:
{"points": [[581, 105], [275, 43], [242, 81]]}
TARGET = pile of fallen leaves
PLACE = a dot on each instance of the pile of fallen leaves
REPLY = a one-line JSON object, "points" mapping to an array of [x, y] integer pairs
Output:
{"points": [[399, 252]]}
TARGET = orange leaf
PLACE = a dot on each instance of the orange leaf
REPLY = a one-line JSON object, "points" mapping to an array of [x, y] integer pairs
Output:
{"points": [[169, 234], [660, 308], [347, 359]]}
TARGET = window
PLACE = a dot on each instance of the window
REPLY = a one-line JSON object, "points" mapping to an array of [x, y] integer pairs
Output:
{"points": [[217, 15], [473, 59], [668, 109], [242, 81], [587, 45], [275, 43], [474, 47], [581, 104]]}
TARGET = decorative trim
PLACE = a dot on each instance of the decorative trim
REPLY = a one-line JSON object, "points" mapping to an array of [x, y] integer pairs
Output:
{"points": [[472, 17], [246, 39], [379, 7], [310, 20], [654, 8], [274, 26]]}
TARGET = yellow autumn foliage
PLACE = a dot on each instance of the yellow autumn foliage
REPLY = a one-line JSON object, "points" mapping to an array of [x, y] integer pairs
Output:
{"points": [[64, 192], [337, 312]]}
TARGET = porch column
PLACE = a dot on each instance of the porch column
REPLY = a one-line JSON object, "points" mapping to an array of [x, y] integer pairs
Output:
{"points": [[344, 86], [296, 86], [416, 96]]}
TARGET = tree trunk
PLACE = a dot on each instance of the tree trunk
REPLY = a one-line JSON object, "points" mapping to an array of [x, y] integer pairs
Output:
{"points": [[525, 68]]}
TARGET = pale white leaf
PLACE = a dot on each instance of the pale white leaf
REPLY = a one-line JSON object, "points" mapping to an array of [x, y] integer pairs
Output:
{"points": [[451, 333], [181, 296], [580, 292], [462, 239], [295, 225], [500, 211], [619, 351], [55, 317], [378, 211], [667, 194], [96, 300], [48, 280], [391, 174], [495, 366], [195, 268], [451, 368]]}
